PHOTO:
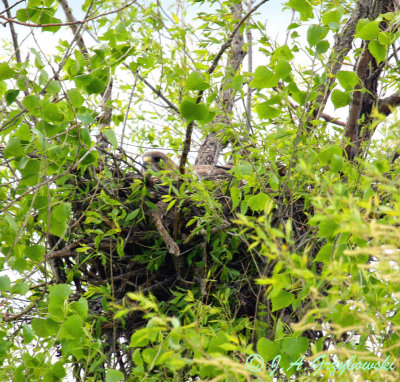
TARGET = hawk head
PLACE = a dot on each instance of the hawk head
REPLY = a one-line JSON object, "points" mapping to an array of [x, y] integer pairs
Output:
{"points": [[158, 161]]}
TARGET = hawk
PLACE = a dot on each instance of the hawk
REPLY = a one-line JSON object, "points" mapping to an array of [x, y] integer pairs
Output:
{"points": [[158, 161]]}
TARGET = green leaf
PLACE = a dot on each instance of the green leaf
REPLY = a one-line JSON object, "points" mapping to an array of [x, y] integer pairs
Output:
{"points": [[332, 17], [347, 79], [45, 328], [283, 69], [31, 102], [83, 79], [322, 47], [96, 86], [382, 165], [327, 228], [55, 372], [386, 38], [192, 111], [149, 355], [10, 96], [24, 133], [75, 97], [264, 78], [35, 252], [377, 50], [267, 349], [4, 283], [14, 148], [52, 113], [265, 111], [72, 328], [133, 214], [20, 288], [111, 137], [236, 196], [337, 163], [315, 34], [396, 318], [57, 296], [325, 156], [195, 81], [324, 254], [72, 67], [59, 218], [54, 87], [30, 173], [114, 375], [6, 72], [258, 202], [367, 30], [86, 117], [3, 88], [340, 99], [303, 7], [237, 82], [295, 346], [80, 307], [27, 333], [283, 52], [140, 338], [243, 169], [281, 300]]}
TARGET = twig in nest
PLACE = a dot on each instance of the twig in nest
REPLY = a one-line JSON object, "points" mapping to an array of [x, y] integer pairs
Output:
{"points": [[173, 248]]}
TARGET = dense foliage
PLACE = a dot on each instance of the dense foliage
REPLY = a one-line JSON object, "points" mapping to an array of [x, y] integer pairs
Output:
{"points": [[109, 272]]}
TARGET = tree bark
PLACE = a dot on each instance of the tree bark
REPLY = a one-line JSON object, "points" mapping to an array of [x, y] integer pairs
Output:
{"points": [[358, 129], [343, 44], [212, 144]]}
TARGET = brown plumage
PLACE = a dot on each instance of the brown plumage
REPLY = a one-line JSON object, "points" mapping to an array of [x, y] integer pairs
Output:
{"points": [[158, 161]]}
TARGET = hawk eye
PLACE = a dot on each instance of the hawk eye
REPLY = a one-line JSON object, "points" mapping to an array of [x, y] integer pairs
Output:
{"points": [[157, 159]]}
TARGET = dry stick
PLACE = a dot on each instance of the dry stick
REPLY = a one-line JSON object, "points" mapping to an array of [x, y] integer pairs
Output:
{"points": [[11, 20], [76, 31], [128, 108], [213, 66], [10, 7], [14, 37], [173, 248], [159, 94], [13, 34]]}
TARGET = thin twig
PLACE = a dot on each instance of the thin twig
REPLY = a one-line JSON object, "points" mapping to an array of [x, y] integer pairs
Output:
{"points": [[32, 25]]}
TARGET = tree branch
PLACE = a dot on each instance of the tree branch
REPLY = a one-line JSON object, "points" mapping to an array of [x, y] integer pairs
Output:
{"points": [[386, 105], [213, 66], [342, 46], [33, 25]]}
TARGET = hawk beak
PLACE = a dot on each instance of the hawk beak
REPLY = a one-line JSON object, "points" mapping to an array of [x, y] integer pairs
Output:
{"points": [[147, 159]]}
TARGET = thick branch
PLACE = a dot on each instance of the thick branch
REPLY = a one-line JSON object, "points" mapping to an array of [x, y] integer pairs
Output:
{"points": [[70, 17], [342, 46], [386, 105], [213, 66], [368, 70]]}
